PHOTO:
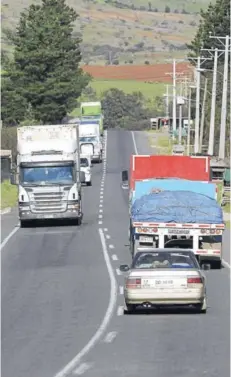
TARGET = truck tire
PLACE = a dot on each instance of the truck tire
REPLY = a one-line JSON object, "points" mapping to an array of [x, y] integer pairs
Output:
{"points": [[216, 264], [23, 224], [89, 183]]}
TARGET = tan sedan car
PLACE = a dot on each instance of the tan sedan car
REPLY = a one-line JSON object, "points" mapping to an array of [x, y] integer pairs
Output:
{"points": [[164, 277]]}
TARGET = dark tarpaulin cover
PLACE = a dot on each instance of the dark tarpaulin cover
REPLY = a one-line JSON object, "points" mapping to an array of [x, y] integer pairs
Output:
{"points": [[177, 207]]}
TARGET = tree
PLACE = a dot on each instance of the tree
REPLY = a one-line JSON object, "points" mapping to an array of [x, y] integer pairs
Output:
{"points": [[45, 72], [216, 19], [167, 9], [124, 110]]}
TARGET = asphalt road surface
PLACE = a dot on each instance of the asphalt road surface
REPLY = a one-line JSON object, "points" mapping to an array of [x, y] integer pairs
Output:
{"points": [[62, 298]]}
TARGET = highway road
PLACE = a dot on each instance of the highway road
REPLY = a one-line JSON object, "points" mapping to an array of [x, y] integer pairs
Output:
{"points": [[62, 298]]}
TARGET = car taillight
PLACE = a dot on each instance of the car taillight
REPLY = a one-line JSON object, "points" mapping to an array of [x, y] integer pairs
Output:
{"points": [[133, 283], [195, 280]]}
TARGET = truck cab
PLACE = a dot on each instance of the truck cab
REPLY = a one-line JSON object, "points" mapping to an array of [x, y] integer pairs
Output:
{"points": [[48, 174]]}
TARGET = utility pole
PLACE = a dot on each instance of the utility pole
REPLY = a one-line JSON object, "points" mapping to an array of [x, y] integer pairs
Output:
{"points": [[213, 106], [174, 97], [189, 122], [200, 60], [167, 101], [203, 115], [224, 95], [174, 78]]}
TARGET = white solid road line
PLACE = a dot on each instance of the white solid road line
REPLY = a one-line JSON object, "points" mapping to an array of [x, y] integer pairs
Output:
{"points": [[224, 262], [4, 242], [134, 143], [110, 337], [121, 290], [112, 301]]}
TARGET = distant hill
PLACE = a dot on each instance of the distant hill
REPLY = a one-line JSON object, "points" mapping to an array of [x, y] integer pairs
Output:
{"points": [[125, 31]]}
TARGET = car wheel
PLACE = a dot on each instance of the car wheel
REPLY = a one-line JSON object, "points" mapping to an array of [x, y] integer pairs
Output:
{"points": [[129, 309], [202, 308]]}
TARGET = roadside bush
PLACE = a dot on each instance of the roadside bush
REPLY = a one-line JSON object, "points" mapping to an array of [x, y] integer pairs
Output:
{"points": [[9, 140]]}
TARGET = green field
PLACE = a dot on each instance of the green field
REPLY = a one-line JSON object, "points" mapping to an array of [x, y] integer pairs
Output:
{"points": [[150, 91]]}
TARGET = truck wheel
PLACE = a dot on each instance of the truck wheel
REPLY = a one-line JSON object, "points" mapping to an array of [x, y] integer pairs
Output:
{"points": [[217, 264], [89, 183], [23, 224]]}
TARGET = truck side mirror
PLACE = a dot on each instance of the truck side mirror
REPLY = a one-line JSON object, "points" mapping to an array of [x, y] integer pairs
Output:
{"points": [[82, 176], [124, 176]]}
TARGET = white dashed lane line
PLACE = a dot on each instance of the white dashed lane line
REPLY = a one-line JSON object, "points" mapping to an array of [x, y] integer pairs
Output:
{"points": [[110, 337], [114, 257], [111, 246], [100, 222], [81, 369], [118, 271], [108, 237], [121, 290], [120, 310], [105, 229]]}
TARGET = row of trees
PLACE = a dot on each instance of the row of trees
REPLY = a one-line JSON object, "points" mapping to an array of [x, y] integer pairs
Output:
{"points": [[215, 20]]}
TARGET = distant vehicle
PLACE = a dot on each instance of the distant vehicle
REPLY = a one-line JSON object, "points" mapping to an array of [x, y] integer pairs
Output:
{"points": [[163, 278], [85, 166], [90, 141]]}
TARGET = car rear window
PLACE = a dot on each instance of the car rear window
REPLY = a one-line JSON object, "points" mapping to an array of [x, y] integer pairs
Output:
{"points": [[164, 260]]}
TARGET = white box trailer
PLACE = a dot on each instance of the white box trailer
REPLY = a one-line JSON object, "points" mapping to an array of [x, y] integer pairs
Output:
{"points": [[48, 173]]}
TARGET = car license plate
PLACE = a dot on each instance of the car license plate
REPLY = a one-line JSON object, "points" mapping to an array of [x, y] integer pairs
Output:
{"points": [[146, 239], [157, 283]]}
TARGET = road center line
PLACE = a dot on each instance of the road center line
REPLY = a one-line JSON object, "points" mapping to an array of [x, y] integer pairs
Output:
{"points": [[111, 306]]}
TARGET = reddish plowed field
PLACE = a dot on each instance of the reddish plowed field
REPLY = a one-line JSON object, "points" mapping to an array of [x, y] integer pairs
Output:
{"points": [[154, 73]]}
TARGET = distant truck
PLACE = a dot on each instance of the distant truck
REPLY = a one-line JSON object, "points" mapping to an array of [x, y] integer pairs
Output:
{"points": [[90, 141], [92, 111], [48, 173]]}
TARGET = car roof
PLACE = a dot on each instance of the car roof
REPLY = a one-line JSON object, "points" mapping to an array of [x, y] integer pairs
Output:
{"points": [[169, 249]]}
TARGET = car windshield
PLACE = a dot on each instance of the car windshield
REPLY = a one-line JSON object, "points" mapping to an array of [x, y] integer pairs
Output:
{"points": [[88, 139], [84, 162], [174, 259], [47, 175]]}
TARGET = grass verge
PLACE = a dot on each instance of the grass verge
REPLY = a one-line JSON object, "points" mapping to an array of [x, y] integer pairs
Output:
{"points": [[8, 195], [227, 224]]}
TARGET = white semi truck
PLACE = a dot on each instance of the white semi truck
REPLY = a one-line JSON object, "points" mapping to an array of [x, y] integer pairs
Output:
{"points": [[48, 173], [90, 141]]}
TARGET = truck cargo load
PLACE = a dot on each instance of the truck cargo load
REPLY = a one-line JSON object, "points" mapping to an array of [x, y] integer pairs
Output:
{"points": [[177, 213], [184, 207]]}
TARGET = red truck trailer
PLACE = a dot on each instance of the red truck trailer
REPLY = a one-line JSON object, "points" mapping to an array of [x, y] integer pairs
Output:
{"points": [[156, 166]]}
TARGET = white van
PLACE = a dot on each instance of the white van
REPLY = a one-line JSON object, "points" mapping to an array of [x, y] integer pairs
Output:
{"points": [[85, 166]]}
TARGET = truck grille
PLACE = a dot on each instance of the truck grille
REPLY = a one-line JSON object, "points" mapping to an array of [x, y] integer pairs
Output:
{"points": [[48, 202]]}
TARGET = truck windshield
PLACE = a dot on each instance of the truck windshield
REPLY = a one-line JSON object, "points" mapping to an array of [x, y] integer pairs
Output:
{"points": [[50, 175], [88, 139]]}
